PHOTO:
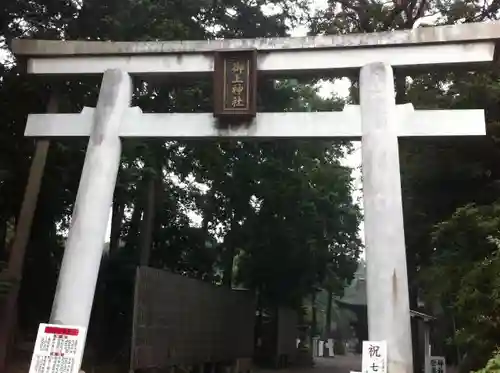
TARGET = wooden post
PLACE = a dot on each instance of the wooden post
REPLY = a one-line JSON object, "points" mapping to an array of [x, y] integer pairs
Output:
{"points": [[14, 270]]}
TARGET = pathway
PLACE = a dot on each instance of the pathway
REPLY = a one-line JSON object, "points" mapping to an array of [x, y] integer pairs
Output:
{"points": [[338, 364]]}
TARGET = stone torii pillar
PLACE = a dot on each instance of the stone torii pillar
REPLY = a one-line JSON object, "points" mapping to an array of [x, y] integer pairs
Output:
{"points": [[84, 247], [386, 272]]}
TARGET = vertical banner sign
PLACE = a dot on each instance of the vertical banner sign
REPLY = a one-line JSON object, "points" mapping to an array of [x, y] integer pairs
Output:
{"points": [[374, 359], [235, 93], [438, 364], [58, 349], [329, 347]]}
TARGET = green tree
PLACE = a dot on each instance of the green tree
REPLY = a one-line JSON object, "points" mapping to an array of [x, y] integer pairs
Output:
{"points": [[464, 276]]}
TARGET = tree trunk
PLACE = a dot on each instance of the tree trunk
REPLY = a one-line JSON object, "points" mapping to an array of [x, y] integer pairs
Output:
{"points": [[228, 259], [117, 214], [314, 321], [329, 305], [3, 236], [22, 236], [118, 211], [354, 90], [146, 237], [229, 253], [207, 212], [135, 220], [258, 322], [454, 324], [400, 87]]}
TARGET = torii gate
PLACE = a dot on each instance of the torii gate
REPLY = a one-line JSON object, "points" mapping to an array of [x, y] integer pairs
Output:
{"points": [[378, 121]]}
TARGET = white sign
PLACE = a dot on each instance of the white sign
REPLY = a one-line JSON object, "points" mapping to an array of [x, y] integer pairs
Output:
{"points": [[321, 348], [58, 349], [329, 345], [438, 364], [374, 359]]}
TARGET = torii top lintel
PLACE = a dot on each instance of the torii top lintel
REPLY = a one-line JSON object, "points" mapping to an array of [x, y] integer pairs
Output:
{"points": [[464, 44]]}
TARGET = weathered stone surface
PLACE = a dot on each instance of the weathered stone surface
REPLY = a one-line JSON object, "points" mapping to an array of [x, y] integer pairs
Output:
{"points": [[84, 247], [387, 279], [428, 35]]}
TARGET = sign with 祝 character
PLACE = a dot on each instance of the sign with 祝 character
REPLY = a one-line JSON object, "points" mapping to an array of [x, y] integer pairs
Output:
{"points": [[438, 364], [58, 349], [374, 358], [235, 84]]}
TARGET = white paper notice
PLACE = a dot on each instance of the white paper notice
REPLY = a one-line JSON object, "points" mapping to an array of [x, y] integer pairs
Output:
{"points": [[58, 349], [438, 364], [374, 359]]}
